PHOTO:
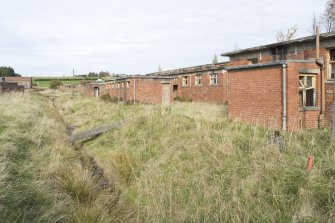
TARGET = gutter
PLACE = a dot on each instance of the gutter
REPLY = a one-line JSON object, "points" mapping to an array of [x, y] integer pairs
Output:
{"points": [[243, 67], [284, 106]]}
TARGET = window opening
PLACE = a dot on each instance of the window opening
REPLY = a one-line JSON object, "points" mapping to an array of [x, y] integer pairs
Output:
{"points": [[332, 63], [306, 90], [214, 79], [185, 80], [198, 80]]}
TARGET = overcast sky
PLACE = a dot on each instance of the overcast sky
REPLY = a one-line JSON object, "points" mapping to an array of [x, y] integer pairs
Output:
{"points": [[51, 37]]}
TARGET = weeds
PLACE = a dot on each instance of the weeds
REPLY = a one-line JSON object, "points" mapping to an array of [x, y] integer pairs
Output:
{"points": [[183, 163]]}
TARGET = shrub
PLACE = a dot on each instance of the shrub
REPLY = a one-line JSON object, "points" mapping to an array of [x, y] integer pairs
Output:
{"points": [[108, 98], [54, 84], [181, 99]]}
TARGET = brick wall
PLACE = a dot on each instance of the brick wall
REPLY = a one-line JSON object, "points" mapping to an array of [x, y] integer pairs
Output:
{"points": [[150, 90], [329, 103], [88, 89], [10, 87], [298, 117], [206, 92], [146, 90], [308, 54], [255, 96]]}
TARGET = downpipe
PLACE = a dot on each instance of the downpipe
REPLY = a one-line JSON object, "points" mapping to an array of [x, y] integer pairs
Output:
{"points": [[284, 115]]}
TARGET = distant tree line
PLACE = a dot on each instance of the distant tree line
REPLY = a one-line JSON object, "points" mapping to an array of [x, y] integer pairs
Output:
{"points": [[93, 74], [8, 72]]}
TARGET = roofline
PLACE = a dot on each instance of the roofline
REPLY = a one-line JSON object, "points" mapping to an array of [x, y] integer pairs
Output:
{"points": [[285, 43], [251, 66], [193, 69], [139, 77]]}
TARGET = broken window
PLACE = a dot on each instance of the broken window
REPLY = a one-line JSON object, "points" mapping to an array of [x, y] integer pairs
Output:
{"points": [[214, 79], [331, 64], [307, 90], [128, 84], [279, 53], [185, 81], [198, 80], [175, 88], [253, 61]]}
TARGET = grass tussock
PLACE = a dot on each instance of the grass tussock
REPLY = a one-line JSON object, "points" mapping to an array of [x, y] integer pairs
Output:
{"points": [[183, 163], [42, 178], [189, 163]]}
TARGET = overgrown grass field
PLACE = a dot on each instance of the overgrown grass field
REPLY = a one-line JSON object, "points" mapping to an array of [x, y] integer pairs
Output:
{"points": [[44, 82], [183, 163]]}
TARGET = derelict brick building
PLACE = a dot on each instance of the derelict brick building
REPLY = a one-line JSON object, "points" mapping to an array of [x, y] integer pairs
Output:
{"points": [[144, 89], [93, 89], [27, 82], [8, 87], [205, 83], [286, 85]]}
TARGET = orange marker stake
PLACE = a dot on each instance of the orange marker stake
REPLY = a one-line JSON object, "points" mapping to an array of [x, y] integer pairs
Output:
{"points": [[309, 163]]}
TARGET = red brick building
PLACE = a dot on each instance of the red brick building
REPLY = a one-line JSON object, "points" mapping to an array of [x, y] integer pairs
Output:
{"points": [[144, 89], [7, 87], [96, 89], [27, 82], [204, 83], [286, 85]]}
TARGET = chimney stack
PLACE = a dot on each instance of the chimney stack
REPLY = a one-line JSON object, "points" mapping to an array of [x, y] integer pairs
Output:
{"points": [[317, 33]]}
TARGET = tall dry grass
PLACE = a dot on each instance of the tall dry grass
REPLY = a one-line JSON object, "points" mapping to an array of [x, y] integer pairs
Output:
{"points": [[43, 179], [183, 163], [189, 163]]}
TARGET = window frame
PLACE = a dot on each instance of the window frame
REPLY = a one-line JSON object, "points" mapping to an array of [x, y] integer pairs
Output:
{"points": [[331, 64], [175, 88], [184, 81], [253, 60], [303, 87], [211, 79], [198, 80]]}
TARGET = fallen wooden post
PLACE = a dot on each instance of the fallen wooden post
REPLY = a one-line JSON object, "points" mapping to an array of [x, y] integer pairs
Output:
{"points": [[95, 131]]}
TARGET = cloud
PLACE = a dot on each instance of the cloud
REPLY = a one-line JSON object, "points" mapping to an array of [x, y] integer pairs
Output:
{"points": [[52, 37]]}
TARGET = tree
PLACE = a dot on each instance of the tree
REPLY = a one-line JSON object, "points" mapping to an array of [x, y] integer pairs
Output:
{"points": [[328, 17], [8, 72], [54, 84], [92, 74], [104, 74], [215, 59], [281, 36]]}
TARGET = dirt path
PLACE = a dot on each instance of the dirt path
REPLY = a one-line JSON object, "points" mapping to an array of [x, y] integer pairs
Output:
{"points": [[88, 162]]}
